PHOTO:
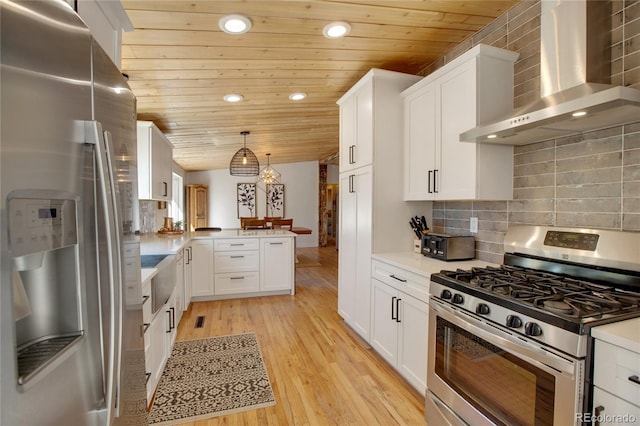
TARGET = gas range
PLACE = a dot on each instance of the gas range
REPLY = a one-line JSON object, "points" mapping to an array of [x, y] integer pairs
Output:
{"points": [[554, 298], [511, 344]]}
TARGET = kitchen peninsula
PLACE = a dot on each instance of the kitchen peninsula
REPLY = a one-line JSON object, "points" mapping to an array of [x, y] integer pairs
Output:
{"points": [[230, 263]]}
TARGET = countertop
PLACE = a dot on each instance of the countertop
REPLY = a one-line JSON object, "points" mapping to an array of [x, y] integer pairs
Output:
{"points": [[425, 266], [625, 334], [171, 244]]}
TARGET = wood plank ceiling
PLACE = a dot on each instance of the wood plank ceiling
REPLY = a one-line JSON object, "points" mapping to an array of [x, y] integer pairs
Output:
{"points": [[180, 65]]}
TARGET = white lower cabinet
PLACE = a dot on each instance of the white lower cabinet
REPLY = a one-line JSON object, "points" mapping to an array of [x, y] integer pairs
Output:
{"points": [[616, 391], [157, 353], [201, 268], [399, 321], [276, 264]]}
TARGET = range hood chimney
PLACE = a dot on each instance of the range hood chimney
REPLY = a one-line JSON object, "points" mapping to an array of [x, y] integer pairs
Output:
{"points": [[574, 80]]}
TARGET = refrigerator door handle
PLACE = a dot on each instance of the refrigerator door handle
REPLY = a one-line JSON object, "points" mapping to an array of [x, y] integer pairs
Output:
{"points": [[106, 194], [117, 232]]}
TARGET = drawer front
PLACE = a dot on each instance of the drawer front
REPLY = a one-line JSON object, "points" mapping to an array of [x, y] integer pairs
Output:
{"points": [[235, 283], [236, 244], [401, 279], [613, 366], [236, 261], [613, 410]]}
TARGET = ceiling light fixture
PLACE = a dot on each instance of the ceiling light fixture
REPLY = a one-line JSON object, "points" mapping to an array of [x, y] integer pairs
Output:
{"points": [[234, 24], [244, 162], [269, 175], [336, 29], [579, 113], [298, 96], [233, 97]]}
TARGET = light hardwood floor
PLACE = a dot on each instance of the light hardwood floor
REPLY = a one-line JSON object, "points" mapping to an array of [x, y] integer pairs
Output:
{"points": [[321, 372]]}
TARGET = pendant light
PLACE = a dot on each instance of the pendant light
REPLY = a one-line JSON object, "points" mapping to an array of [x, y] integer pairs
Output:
{"points": [[269, 175], [244, 162]]}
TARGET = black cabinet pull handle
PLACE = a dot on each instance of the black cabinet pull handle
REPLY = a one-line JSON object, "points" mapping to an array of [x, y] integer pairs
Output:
{"points": [[435, 184], [429, 182], [351, 190], [393, 303], [398, 309], [402, 280], [165, 188], [148, 376], [634, 379], [597, 413], [145, 298], [145, 327]]}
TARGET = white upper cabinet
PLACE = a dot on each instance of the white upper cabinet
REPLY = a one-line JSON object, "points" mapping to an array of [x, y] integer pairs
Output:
{"points": [[155, 163], [472, 89], [106, 21]]}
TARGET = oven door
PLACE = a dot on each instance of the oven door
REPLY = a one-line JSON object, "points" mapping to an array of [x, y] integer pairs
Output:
{"points": [[481, 374]]}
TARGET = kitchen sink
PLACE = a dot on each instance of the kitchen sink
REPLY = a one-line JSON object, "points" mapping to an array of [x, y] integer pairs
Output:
{"points": [[151, 260]]}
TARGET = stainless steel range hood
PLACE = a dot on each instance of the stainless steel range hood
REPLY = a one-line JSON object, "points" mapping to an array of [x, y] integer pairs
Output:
{"points": [[574, 76]]}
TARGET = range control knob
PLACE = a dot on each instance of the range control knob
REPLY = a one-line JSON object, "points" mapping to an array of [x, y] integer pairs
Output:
{"points": [[446, 294], [458, 299], [513, 321], [532, 329], [482, 309]]}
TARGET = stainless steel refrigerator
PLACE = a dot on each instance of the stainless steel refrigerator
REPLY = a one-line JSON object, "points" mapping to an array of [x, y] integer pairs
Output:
{"points": [[72, 350]]}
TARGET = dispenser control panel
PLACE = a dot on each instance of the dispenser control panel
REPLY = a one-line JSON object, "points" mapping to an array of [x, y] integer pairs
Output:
{"points": [[37, 224]]}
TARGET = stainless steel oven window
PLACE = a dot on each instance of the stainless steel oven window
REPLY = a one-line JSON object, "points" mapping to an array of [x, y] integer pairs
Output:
{"points": [[505, 388]]}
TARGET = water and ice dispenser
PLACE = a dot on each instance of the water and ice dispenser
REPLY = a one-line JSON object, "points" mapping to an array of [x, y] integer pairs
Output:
{"points": [[43, 241]]}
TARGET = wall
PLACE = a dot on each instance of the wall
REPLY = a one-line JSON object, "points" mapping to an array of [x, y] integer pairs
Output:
{"points": [[589, 180], [301, 197]]}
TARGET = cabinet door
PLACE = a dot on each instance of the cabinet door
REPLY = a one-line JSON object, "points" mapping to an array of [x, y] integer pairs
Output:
{"points": [[457, 172], [171, 323], [202, 268], [158, 348], [622, 412], [422, 132], [167, 169], [356, 129], [347, 133], [188, 273], [384, 320], [276, 264], [412, 341], [354, 271], [348, 249], [181, 302], [158, 185]]}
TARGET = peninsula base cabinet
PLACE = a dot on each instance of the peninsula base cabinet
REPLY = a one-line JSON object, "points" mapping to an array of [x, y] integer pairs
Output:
{"points": [[399, 321], [242, 267]]}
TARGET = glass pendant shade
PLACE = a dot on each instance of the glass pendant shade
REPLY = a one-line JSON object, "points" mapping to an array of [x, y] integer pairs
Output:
{"points": [[268, 174], [244, 162]]}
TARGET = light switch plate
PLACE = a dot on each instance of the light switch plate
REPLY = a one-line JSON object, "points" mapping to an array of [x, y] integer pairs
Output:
{"points": [[473, 225]]}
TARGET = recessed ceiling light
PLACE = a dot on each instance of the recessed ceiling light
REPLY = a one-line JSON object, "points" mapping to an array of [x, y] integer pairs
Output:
{"points": [[579, 113], [233, 97], [492, 136], [298, 96], [234, 24], [336, 30]]}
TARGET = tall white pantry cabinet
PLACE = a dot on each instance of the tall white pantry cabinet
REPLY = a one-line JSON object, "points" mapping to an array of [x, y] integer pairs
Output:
{"points": [[373, 216]]}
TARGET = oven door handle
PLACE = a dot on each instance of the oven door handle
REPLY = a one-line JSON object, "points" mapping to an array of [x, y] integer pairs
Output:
{"points": [[531, 353]]}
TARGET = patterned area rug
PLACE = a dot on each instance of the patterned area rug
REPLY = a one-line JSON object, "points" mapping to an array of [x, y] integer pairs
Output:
{"points": [[211, 377]]}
